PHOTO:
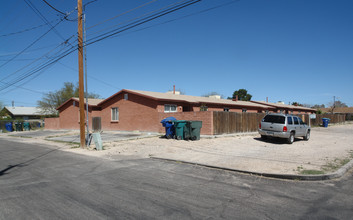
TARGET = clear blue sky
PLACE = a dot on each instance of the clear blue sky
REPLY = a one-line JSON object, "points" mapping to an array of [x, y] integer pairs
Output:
{"points": [[292, 50]]}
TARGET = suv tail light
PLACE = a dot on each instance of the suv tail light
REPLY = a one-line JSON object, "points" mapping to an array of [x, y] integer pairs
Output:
{"points": [[260, 125], [284, 128]]}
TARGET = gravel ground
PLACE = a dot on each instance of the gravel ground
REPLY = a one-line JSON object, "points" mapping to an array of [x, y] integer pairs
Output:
{"points": [[325, 151]]}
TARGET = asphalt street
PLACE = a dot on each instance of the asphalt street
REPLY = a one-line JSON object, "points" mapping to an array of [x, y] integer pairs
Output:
{"points": [[42, 182]]}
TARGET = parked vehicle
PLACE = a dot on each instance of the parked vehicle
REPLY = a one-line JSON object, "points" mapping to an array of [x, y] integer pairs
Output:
{"points": [[283, 126]]}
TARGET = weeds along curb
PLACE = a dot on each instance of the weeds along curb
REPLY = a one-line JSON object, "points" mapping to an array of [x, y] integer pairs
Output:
{"points": [[339, 173]]}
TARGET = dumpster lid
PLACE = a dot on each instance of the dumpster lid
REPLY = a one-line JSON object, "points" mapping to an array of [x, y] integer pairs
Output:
{"points": [[168, 119]]}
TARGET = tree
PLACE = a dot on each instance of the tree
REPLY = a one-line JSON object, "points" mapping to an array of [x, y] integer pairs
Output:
{"points": [[242, 95], [296, 104], [318, 106], [339, 104], [52, 100]]}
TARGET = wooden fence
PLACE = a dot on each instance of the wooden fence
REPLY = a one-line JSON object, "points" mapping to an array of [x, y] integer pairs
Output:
{"points": [[234, 122], [334, 119]]}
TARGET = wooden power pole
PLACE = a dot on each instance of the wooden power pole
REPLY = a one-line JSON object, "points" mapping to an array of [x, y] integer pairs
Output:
{"points": [[80, 75]]}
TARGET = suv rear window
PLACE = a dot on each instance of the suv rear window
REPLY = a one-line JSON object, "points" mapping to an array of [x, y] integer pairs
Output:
{"points": [[274, 119]]}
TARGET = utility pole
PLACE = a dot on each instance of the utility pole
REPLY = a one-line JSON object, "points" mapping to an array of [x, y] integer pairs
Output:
{"points": [[334, 101], [80, 74]]}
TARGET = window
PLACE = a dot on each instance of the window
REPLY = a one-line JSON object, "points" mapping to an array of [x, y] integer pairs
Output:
{"points": [[243, 110], [277, 119], [226, 109], [290, 120], [170, 108], [126, 96], [115, 114], [296, 121], [203, 108], [300, 121]]}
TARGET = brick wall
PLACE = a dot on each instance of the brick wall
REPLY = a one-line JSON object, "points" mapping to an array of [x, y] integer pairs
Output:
{"points": [[69, 116], [135, 113], [52, 123]]}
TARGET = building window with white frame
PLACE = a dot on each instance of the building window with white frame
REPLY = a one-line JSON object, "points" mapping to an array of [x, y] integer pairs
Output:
{"points": [[170, 108], [115, 114]]}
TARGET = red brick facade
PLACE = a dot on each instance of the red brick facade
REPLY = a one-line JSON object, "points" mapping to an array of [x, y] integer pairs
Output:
{"points": [[144, 113]]}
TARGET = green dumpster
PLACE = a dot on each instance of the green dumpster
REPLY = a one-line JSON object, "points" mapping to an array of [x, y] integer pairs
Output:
{"points": [[18, 126], [194, 130], [26, 126], [179, 129]]}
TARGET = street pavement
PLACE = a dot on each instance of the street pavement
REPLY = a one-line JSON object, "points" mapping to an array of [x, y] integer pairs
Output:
{"points": [[42, 182]]}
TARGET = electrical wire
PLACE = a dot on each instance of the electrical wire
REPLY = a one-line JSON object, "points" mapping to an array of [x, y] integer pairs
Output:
{"points": [[21, 52], [133, 19], [41, 16], [30, 90], [140, 22], [36, 49], [124, 13], [186, 16], [94, 78], [53, 7], [43, 56], [39, 69], [26, 30]]}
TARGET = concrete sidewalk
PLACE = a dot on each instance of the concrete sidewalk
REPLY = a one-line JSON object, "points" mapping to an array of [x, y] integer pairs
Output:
{"points": [[325, 156]]}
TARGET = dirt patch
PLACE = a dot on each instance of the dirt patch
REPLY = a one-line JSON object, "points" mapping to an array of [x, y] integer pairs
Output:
{"points": [[327, 150], [248, 152]]}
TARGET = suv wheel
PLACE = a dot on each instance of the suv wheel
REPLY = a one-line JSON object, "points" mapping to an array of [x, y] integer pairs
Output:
{"points": [[290, 139], [307, 135], [263, 137]]}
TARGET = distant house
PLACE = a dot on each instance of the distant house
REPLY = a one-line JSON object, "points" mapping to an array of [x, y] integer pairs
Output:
{"points": [[287, 109], [23, 113], [143, 110]]}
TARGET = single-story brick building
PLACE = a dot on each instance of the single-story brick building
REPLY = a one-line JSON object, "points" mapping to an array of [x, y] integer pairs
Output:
{"points": [[130, 110], [287, 109]]}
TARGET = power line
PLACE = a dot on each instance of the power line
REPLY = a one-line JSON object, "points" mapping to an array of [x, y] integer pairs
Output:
{"points": [[133, 19], [20, 87], [38, 70], [36, 49], [124, 13], [31, 44], [140, 22], [186, 16], [94, 78], [53, 7], [41, 16], [25, 30], [43, 56]]}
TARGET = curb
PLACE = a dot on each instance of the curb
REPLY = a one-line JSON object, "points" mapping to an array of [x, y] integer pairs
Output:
{"points": [[337, 174]]}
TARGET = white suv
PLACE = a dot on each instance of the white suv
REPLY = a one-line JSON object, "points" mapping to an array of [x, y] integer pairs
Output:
{"points": [[283, 126]]}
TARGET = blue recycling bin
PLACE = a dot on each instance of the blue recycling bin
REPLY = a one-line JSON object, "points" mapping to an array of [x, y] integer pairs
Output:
{"points": [[325, 122], [8, 127], [168, 123]]}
